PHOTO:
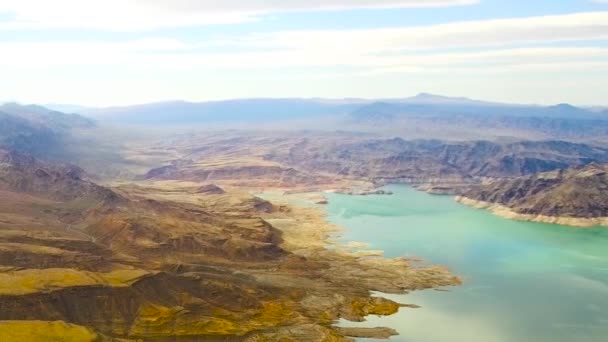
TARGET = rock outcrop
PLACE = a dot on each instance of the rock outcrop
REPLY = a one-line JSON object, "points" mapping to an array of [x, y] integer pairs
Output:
{"points": [[210, 189], [576, 193]]}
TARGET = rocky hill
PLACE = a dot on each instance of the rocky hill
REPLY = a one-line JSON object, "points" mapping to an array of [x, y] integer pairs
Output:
{"points": [[25, 174], [576, 193], [427, 161]]}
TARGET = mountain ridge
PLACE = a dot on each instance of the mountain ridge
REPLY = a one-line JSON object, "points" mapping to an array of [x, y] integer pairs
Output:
{"points": [[425, 114]]}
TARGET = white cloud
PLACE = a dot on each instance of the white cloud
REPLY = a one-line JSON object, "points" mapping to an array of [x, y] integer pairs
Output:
{"points": [[106, 15], [570, 27], [403, 48], [447, 54], [173, 55], [122, 15], [41, 55], [257, 6]]}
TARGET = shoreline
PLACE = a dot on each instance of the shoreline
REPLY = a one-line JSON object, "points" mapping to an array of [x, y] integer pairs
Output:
{"points": [[508, 213], [307, 232]]}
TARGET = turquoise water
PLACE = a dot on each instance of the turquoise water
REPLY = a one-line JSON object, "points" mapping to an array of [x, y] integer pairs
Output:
{"points": [[523, 281]]}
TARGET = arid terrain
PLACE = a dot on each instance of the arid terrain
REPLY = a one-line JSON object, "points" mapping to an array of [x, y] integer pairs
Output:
{"points": [[297, 170], [202, 235], [155, 261]]}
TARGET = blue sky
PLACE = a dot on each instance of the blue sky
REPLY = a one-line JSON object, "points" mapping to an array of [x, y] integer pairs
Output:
{"points": [[118, 52]]}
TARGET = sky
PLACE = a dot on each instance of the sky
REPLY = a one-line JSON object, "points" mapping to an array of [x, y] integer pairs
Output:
{"points": [[121, 52]]}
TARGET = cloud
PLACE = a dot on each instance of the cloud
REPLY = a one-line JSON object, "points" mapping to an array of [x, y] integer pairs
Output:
{"points": [[486, 44], [496, 32], [257, 6], [112, 15], [516, 49], [125, 15], [173, 55]]}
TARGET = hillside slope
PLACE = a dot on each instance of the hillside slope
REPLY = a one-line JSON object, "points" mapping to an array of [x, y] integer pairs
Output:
{"points": [[577, 193]]}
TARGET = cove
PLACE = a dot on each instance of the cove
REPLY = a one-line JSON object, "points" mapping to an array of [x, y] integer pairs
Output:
{"points": [[522, 281]]}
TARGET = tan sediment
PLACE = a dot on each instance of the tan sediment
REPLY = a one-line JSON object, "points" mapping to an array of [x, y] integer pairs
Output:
{"points": [[376, 333], [39, 331], [29, 281], [356, 245], [506, 212]]}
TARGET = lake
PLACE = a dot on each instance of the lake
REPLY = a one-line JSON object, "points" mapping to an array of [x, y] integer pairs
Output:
{"points": [[522, 281]]}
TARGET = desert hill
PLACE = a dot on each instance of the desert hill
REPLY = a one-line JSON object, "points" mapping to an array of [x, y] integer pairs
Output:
{"points": [[577, 193]]}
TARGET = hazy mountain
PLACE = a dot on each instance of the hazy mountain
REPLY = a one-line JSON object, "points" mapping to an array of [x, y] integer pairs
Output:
{"points": [[460, 117], [67, 108], [426, 98], [43, 116], [297, 108], [431, 105], [37, 130], [598, 109], [422, 116], [245, 110]]}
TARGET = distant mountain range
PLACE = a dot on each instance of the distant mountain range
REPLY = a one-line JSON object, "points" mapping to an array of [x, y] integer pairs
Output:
{"points": [[267, 109], [290, 108], [422, 116], [230, 111]]}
